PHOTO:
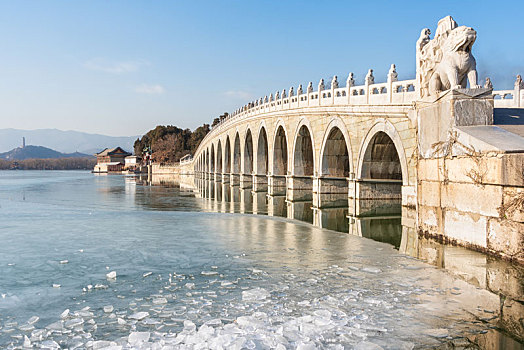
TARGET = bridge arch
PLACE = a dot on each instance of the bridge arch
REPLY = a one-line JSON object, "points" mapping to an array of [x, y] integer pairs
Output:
{"points": [[219, 157], [262, 154], [280, 150], [212, 159], [236, 155], [206, 159], [227, 156], [335, 153], [304, 150], [382, 155], [248, 153]]}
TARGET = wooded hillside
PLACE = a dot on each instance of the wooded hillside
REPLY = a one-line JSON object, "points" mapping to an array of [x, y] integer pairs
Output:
{"points": [[170, 143]]}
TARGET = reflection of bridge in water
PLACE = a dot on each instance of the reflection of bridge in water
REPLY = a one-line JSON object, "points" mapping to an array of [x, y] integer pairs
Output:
{"points": [[332, 215]]}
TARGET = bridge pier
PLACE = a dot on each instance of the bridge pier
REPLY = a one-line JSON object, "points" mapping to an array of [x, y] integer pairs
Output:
{"points": [[260, 183], [299, 188], [259, 202], [234, 179], [387, 228], [246, 181], [331, 218], [246, 201], [373, 197], [330, 191], [276, 206], [276, 185], [299, 210], [226, 197]]}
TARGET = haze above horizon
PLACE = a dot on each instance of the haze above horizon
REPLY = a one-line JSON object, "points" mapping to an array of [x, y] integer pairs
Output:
{"points": [[123, 67]]}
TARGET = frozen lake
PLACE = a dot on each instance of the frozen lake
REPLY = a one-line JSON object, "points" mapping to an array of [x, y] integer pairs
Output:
{"points": [[189, 277]]}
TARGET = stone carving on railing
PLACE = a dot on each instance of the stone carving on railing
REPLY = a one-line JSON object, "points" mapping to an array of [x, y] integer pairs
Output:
{"points": [[284, 94], [310, 87], [334, 82], [350, 81], [321, 85], [270, 97], [392, 74], [291, 92], [519, 84], [445, 62], [488, 84], [370, 79], [277, 95]]}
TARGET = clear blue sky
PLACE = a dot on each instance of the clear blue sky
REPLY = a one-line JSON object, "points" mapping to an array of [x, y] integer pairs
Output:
{"points": [[122, 67]]}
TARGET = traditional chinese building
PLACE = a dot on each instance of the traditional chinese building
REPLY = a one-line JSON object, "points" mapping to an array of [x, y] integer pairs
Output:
{"points": [[110, 160]]}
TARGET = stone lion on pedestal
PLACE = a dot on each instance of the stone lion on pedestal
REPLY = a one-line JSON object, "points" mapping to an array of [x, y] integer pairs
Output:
{"points": [[446, 61]]}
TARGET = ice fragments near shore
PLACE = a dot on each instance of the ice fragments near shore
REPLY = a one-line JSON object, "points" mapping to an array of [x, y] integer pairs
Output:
{"points": [[255, 294], [111, 275]]}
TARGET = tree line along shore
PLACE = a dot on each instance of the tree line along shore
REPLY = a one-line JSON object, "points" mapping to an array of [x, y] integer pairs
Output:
{"points": [[49, 164]]}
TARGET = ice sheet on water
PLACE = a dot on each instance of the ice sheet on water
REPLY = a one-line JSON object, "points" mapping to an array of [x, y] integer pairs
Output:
{"points": [[75, 322], [33, 320], [209, 273], [366, 345], [370, 269], [108, 309], [139, 315], [55, 326], [49, 344], [27, 342], [158, 301], [26, 327], [136, 338], [255, 294]]}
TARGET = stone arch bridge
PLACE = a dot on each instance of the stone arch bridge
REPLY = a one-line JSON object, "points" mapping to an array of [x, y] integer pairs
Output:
{"points": [[347, 141], [454, 157], [354, 141]]}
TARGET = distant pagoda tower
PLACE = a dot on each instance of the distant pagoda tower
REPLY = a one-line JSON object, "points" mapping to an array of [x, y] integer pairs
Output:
{"points": [[23, 142]]}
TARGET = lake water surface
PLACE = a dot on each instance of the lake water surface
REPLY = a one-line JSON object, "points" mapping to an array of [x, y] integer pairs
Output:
{"points": [[190, 276]]}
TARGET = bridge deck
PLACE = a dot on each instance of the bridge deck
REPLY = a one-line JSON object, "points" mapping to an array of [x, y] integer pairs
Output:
{"points": [[510, 119]]}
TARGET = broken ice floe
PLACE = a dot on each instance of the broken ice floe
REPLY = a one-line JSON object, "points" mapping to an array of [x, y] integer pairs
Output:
{"points": [[108, 309], [255, 294]]}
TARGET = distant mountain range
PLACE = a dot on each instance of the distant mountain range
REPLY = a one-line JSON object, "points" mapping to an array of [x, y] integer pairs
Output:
{"points": [[63, 141], [39, 152]]}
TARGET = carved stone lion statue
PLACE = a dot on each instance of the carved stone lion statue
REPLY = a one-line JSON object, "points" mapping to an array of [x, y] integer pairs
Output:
{"points": [[446, 61]]}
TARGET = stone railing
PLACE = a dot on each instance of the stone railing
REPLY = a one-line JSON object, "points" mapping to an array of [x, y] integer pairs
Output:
{"points": [[392, 92], [186, 159], [509, 98]]}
